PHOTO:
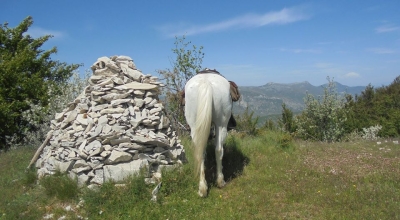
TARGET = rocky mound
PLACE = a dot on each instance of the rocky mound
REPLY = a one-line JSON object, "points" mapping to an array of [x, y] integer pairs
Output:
{"points": [[114, 128]]}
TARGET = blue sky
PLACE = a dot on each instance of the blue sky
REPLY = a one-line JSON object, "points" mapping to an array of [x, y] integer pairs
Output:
{"points": [[249, 42]]}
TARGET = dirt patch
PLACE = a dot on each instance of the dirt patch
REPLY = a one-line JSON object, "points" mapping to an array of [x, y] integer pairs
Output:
{"points": [[353, 162]]}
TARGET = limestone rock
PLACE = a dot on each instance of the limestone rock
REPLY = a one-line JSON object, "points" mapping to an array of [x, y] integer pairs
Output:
{"points": [[117, 157], [137, 85], [114, 128], [121, 171]]}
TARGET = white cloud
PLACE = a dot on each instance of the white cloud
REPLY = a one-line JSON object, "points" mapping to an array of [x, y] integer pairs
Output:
{"points": [[352, 75], [387, 28], [36, 32], [284, 16], [380, 50]]}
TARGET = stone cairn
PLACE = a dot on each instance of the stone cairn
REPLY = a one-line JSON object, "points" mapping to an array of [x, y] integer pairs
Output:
{"points": [[112, 130]]}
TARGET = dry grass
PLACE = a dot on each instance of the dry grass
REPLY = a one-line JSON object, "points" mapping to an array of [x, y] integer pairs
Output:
{"points": [[360, 160]]}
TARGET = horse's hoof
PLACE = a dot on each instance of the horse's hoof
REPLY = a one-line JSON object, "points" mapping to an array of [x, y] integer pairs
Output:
{"points": [[202, 194], [221, 184], [203, 189]]}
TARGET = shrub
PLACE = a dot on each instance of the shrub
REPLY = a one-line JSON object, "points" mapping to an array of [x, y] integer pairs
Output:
{"points": [[371, 133], [285, 140], [376, 106], [187, 63], [287, 120], [323, 118], [27, 74], [246, 123], [39, 117]]}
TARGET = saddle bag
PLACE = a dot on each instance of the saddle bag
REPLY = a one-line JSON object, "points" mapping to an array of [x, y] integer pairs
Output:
{"points": [[235, 94]]}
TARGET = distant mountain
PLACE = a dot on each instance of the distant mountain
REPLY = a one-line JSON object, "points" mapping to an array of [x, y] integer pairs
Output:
{"points": [[267, 99]]}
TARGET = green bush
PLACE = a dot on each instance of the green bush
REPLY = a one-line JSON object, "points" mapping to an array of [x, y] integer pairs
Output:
{"points": [[376, 106], [40, 117], [187, 63], [287, 120], [285, 140], [28, 76], [246, 123], [323, 118]]}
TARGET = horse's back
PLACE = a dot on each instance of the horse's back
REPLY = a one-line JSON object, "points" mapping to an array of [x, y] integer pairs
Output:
{"points": [[208, 101], [222, 102]]}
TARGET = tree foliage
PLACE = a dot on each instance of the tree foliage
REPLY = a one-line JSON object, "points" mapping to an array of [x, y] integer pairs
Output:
{"points": [[287, 121], [186, 64], [323, 118], [27, 73], [373, 107], [40, 117], [375, 112]]}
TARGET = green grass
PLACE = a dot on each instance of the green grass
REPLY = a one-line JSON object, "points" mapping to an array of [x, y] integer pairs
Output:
{"points": [[269, 176]]}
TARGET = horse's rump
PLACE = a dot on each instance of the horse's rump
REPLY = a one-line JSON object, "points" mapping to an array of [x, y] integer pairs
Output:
{"points": [[208, 101]]}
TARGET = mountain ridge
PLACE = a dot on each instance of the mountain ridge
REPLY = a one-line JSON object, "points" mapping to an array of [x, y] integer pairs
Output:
{"points": [[268, 99]]}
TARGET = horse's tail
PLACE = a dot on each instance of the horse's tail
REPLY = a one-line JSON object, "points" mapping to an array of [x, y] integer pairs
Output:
{"points": [[203, 122]]}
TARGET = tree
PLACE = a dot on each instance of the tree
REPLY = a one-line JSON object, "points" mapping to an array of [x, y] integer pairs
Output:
{"points": [[287, 119], [323, 119], [40, 117], [376, 106], [27, 73], [187, 63]]}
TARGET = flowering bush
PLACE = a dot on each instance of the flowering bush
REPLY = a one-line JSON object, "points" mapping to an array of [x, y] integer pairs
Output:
{"points": [[323, 119], [39, 117], [371, 133]]}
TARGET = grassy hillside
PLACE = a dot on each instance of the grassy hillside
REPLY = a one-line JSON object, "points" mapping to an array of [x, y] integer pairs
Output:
{"points": [[268, 177]]}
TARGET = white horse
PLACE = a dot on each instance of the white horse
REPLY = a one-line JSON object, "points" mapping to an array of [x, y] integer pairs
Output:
{"points": [[208, 101]]}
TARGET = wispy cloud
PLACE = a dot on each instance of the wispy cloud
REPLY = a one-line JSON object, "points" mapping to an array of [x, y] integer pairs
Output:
{"points": [[351, 75], [387, 28], [284, 16], [298, 50], [381, 50], [40, 32]]}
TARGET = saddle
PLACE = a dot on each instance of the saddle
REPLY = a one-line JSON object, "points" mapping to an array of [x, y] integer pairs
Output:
{"points": [[206, 70], [234, 90]]}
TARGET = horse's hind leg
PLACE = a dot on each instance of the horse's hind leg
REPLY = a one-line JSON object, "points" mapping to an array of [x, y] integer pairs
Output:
{"points": [[221, 133], [203, 183]]}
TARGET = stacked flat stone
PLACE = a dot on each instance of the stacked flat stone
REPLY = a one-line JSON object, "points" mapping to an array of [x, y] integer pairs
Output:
{"points": [[113, 129]]}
